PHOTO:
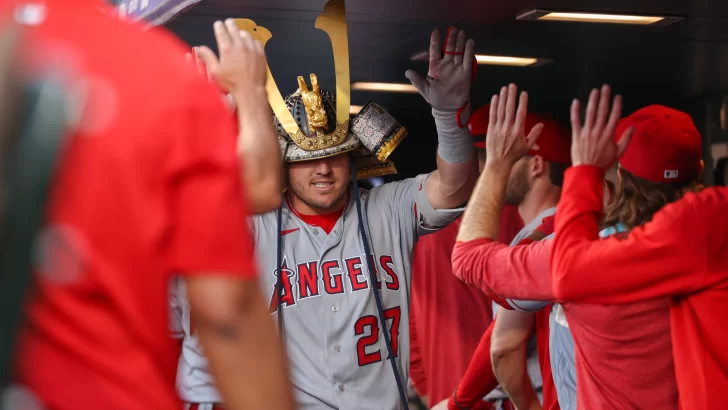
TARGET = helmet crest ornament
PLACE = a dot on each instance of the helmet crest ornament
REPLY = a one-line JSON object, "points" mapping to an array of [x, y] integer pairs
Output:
{"points": [[312, 123]]}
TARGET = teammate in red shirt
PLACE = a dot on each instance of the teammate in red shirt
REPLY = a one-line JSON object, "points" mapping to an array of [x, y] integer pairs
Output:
{"points": [[148, 186], [618, 348], [682, 254], [437, 363], [554, 147]]}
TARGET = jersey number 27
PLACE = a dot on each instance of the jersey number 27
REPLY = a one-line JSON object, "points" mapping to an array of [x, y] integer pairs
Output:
{"points": [[368, 328]]}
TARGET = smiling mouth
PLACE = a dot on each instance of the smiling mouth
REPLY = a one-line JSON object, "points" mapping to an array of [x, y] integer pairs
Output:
{"points": [[323, 185]]}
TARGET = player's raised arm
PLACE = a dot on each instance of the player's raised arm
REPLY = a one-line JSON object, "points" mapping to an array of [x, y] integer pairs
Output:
{"points": [[241, 72], [655, 260], [447, 89]]}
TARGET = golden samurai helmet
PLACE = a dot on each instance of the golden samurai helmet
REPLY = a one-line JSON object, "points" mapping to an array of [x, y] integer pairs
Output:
{"points": [[312, 123]]}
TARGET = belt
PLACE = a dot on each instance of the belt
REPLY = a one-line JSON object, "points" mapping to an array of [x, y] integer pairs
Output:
{"points": [[216, 406]]}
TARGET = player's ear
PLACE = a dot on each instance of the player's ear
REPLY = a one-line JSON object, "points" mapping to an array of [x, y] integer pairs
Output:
{"points": [[537, 166]]}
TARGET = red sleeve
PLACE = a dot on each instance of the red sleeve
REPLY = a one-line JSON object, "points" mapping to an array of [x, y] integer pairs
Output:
{"points": [[479, 378], [668, 256], [417, 372], [505, 272], [208, 208]]}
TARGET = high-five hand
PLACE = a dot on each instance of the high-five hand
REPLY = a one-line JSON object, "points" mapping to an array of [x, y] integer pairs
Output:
{"points": [[242, 66], [447, 86], [593, 143], [506, 140]]}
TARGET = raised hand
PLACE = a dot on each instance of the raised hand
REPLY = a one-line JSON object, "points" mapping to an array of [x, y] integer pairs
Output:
{"points": [[506, 139], [593, 143], [242, 66], [447, 86]]}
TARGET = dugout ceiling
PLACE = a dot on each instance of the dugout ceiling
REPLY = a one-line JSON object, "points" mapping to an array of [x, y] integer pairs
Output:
{"points": [[674, 65]]}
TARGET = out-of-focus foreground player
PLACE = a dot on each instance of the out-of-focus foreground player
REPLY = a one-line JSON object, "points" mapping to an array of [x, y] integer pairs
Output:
{"points": [[148, 176], [444, 334], [682, 253]]}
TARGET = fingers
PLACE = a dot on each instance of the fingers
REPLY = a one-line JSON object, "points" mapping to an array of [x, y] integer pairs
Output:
{"points": [[624, 141], [208, 57], [602, 110], [575, 120], [522, 113], [435, 48], [614, 115], [234, 33], [492, 114], [591, 108], [258, 47], [450, 42], [511, 106], [532, 136], [469, 54], [460, 47], [417, 81], [502, 101], [222, 36]]}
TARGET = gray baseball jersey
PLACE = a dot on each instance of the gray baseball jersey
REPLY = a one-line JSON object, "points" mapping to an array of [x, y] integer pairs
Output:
{"points": [[533, 367], [335, 343]]}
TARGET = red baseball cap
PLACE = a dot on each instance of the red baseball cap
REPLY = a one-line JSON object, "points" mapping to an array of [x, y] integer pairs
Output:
{"points": [[554, 144], [478, 125], [665, 146]]}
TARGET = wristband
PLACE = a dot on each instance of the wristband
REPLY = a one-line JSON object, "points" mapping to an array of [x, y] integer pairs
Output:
{"points": [[455, 143]]}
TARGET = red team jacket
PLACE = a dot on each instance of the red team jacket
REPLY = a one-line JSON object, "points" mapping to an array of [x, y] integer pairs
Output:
{"points": [[682, 254]]}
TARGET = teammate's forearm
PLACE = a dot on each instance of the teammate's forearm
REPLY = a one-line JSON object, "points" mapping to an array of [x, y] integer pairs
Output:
{"points": [[510, 370], [482, 215], [258, 147], [247, 359]]}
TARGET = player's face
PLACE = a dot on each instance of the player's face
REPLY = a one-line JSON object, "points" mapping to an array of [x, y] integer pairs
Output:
{"points": [[319, 186], [518, 183], [610, 185]]}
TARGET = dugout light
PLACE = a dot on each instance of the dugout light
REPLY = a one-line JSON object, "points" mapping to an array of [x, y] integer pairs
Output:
{"points": [[583, 17], [494, 60], [385, 87]]}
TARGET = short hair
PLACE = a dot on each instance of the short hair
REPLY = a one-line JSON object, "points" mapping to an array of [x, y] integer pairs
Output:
{"points": [[556, 173]]}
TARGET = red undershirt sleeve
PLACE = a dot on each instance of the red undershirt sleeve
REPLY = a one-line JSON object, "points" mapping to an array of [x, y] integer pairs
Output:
{"points": [[664, 257], [479, 378]]}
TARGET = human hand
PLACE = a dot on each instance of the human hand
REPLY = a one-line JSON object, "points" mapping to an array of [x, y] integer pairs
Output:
{"points": [[242, 65], [506, 140], [593, 143], [449, 77]]}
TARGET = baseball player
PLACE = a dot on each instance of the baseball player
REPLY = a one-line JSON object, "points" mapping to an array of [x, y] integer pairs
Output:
{"points": [[139, 194], [336, 259], [608, 335], [535, 188], [432, 313], [680, 254]]}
